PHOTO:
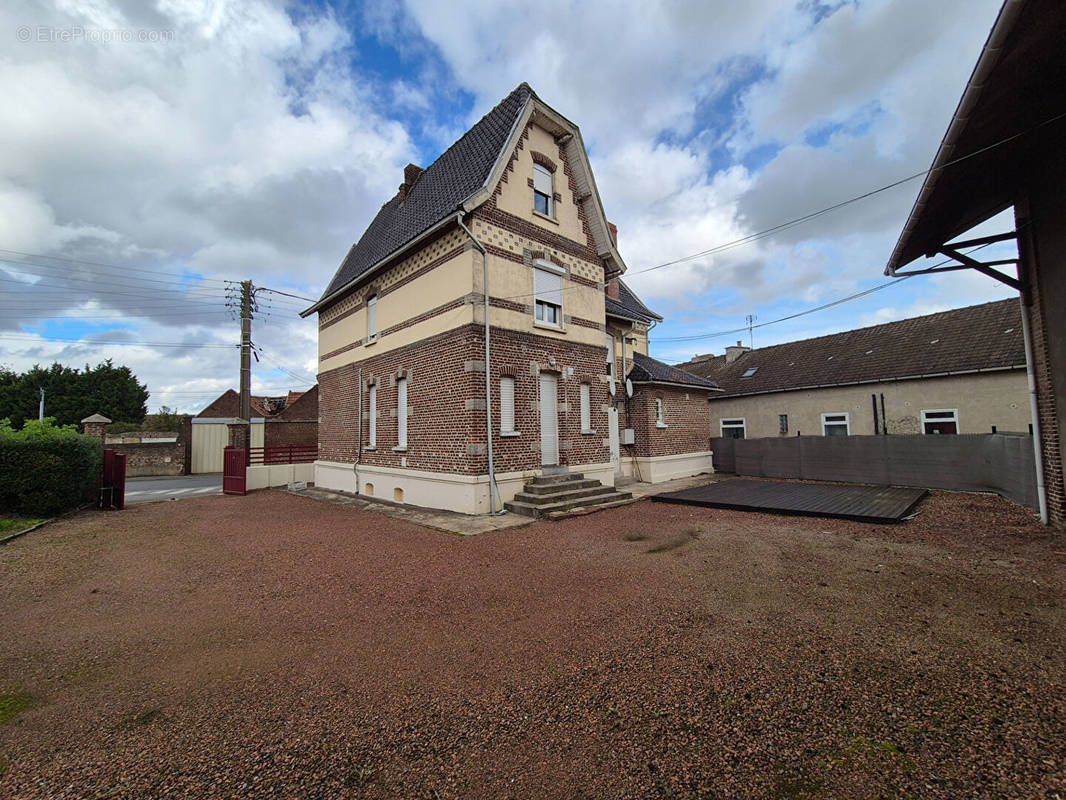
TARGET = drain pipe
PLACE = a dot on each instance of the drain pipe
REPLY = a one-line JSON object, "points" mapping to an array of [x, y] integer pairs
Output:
{"points": [[488, 361], [359, 427], [1038, 456]]}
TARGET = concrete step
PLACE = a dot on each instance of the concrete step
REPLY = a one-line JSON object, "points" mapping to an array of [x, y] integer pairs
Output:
{"points": [[561, 477], [559, 496], [581, 511], [552, 488], [530, 510]]}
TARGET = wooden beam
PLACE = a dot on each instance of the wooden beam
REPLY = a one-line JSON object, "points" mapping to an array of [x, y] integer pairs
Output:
{"points": [[995, 274]]}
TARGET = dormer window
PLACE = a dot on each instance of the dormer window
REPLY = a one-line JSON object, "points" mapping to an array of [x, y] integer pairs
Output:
{"points": [[542, 191]]}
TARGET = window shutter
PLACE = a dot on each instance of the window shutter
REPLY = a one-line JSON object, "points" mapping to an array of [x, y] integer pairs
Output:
{"points": [[548, 286], [373, 422], [542, 180], [506, 404], [586, 408], [401, 412], [372, 318]]}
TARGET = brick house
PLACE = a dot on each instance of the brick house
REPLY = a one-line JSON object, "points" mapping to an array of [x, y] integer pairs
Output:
{"points": [[1003, 149], [959, 371], [422, 398]]}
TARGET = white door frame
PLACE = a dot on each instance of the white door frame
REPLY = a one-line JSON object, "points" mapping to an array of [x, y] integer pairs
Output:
{"points": [[549, 419]]}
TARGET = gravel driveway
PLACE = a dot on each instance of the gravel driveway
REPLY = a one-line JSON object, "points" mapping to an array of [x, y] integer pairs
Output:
{"points": [[274, 646]]}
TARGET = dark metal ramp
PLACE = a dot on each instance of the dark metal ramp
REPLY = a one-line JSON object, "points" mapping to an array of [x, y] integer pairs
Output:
{"points": [[862, 503]]}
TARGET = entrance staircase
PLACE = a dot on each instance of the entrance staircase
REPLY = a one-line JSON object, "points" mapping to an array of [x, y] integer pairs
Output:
{"points": [[546, 494]]}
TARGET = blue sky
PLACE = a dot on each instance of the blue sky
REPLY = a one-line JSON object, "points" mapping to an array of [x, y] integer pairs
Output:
{"points": [[258, 139]]}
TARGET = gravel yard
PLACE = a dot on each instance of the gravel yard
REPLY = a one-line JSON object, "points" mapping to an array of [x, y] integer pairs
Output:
{"points": [[275, 646]]}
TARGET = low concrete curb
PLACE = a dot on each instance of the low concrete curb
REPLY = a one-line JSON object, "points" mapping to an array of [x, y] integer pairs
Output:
{"points": [[24, 531]]}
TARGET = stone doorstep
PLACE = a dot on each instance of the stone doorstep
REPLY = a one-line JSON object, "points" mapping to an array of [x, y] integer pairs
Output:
{"points": [[541, 499], [609, 495], [554, 479], [582, 511], [551, 488]]}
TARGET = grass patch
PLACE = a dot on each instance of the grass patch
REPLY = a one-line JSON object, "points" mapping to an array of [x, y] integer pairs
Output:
{"points": [[16, 524], [13, 704]]}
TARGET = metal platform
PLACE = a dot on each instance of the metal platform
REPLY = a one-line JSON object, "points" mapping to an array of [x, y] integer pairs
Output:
{"points": [[863, 503]]}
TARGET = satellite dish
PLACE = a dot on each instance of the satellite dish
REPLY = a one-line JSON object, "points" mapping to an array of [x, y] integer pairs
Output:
{"points": [[629, 388]]}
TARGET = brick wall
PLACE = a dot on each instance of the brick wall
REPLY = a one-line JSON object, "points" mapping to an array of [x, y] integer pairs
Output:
{"points": [[687, 415], [446, 401], [283, 433], [152, 458]]}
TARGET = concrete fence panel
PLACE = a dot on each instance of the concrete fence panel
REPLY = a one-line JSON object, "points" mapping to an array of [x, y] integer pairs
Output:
{"points": [[967, 462]]}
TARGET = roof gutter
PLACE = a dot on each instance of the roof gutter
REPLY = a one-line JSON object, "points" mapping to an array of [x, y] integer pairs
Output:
{"points": [[689, 386], [990, 55]]}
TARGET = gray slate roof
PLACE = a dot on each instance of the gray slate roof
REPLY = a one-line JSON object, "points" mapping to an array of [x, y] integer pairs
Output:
{"points": [[629, 306], [983, 337], [459, 172], [649, 370]]}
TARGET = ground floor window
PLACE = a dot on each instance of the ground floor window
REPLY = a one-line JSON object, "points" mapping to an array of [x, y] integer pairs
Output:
{"points": [[734, 428], [940, 420], [507, 404], [782, 423], [586, 407], [836, 424]]}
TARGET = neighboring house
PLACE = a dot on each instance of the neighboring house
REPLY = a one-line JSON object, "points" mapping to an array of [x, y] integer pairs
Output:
{"points": [[960, 371], [408, 384], [277, 421], [1004, 148]]}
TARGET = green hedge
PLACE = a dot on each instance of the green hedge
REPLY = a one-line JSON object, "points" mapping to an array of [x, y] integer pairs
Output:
{"points": [[45, 469]]}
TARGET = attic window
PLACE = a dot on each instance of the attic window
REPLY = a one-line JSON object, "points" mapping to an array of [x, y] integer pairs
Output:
{"points": [[934, 341], [542, 190], [829, 359], [1009, 330], [750, 372], [869, 352]]}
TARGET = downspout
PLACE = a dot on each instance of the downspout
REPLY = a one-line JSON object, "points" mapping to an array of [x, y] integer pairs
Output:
{"points": [[488, 360], [359, 417], [1038, 456]]}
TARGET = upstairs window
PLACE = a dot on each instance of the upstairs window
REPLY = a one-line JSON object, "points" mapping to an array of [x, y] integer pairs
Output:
{"points": [[548, 289], [372, 318], [836, 424], [543, 201]]}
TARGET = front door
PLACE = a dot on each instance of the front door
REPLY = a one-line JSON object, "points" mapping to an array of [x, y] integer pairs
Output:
{"points": [[549, 420], [612, 435]]}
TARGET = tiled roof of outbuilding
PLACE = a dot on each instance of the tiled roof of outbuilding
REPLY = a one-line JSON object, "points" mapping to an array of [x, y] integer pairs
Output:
{"points": [[983, 337], [458, 173], [649, 370], [629, 306]]}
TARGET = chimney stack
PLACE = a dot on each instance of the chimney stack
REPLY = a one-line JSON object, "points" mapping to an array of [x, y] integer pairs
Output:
{"points": [[612, 288], [614, 233], [410, 176], [733, 353]]}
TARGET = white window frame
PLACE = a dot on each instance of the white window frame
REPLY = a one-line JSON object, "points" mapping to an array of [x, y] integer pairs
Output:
{"points": [[660, 419], [782, 423], [507, 391], [372, 318], [953, 418], [550, 298], [372, 416], [540, 174], [401, 414], [731, 424], [585, 391], [846, 421]]}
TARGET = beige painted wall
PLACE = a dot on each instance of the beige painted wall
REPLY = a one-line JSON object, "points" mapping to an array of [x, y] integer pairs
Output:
{"points": [[982, 400], [517, 198]]}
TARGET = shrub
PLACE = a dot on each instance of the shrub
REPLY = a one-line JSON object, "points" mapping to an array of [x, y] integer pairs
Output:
{"points": [[46, 469]]}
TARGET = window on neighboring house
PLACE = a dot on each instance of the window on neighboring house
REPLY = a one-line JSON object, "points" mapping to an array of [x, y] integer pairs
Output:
{"points": [[548, 289], [507, 404], [659, 421], [372, 417], [586, 408], [836, 424], [940, 420], [372, 318], [734, 428], [782, 423], [401, 413], [749, 372], [542, 190]]}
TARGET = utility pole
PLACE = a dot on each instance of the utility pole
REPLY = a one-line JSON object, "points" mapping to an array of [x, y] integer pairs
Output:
{"points": [[40, 408], [246, 351]]}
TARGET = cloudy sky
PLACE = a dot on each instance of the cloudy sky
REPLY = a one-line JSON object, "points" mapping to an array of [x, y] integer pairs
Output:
{"points": [[152, 151]]}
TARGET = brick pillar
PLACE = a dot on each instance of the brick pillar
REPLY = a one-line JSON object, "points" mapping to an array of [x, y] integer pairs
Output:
{"points": [[240, 433], [96, 426]]}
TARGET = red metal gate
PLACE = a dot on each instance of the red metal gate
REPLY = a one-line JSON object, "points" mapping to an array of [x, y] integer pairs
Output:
{"points": [[234, 470]]}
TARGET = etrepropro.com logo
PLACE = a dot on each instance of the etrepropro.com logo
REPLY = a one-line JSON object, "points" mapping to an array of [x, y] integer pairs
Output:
{"points": [[78, 33]]}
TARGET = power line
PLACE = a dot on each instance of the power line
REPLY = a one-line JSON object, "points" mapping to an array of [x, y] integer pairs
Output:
{"points": [[286, 294], [43, 339], [103, 264]]}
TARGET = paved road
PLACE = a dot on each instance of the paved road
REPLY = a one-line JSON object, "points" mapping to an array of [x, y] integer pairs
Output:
{"points": [[148, 490]]}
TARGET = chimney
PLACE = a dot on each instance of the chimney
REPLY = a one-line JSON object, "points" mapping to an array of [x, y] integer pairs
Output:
{"points": [[410, 176], [614, 233], [612, 288], [733, 353]]}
